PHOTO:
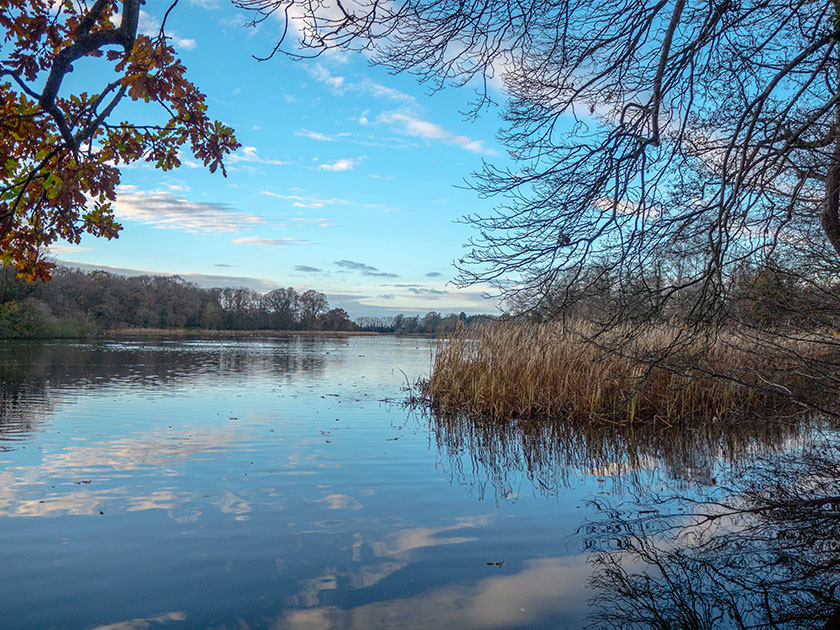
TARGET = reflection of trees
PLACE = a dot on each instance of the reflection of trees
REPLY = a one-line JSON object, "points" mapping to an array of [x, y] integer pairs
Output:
{"points": [[763, 554], [32, 373], [548, 454]]}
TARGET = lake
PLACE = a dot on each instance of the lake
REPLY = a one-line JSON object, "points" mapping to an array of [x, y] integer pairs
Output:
{"points": [[282, 483]]}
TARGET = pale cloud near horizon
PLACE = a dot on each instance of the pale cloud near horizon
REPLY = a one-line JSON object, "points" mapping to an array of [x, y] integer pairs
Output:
{"points": [[203, 280], [66, 249], [164, 210]]}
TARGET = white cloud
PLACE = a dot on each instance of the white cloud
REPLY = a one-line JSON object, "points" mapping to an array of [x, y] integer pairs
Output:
{"points": [[323, 75], [340, 84], [249, 155], [164, 210], [381, 91], [417, 127], [304, 201], [256, 240], [321, 137], [344, 164]]}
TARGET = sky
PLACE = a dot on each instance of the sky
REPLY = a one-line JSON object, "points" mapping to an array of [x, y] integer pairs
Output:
{"points": [[350, 180]]}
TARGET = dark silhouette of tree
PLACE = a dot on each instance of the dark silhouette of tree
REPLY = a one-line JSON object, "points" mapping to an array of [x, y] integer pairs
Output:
{"points": [[282, 307], [335, 319], [312, 305], [709, 131], [75, 303]]}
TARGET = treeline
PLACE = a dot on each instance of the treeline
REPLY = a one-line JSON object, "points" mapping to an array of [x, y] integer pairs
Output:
{"points": [[432, 323], [78, 304], [755, 295]]}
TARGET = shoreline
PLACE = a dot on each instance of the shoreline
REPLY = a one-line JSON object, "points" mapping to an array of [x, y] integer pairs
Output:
{"points": [[148, 332]]}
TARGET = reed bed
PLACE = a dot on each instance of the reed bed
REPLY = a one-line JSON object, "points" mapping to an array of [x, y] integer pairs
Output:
{"points": [[573, 371]]}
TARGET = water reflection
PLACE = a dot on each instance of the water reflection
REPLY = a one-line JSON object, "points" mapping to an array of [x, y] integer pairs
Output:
{"points": [[33, 375], [154, 363], [546, 589], [764, 553], [496, 457], [264, 484], [145, 623]]}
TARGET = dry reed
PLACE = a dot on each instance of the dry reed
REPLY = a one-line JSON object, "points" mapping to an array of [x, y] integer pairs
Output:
{"points": [[506, 370]]}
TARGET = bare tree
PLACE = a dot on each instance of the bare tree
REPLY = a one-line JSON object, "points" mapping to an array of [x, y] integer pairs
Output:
{"points": [[709, 130], [282, 307]]}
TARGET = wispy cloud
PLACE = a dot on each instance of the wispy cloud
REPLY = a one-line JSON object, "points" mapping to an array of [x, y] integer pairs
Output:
{"points": [[256, 240], [426, 291], [166, 211], [344, 164], [321, 73], [340, 84], [250, 155], [417, 127], [307, 269], [377, 90], [364, 269], [322, 137], [433, 274], [305, 201]]}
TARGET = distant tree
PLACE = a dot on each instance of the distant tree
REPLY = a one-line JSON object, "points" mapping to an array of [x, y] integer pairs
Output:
{"points": [[61, 152], [399, 322], [375, 324], [448, 324], [335, 319], [312, 305], [240, 307], [431, 322], [282, 307]]}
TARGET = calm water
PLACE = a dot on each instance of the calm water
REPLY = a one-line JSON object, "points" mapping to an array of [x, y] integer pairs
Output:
{"points": [[279, 483]]}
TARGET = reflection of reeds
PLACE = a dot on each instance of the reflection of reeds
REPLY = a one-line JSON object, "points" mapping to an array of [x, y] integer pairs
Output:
{"points": [[571, 372], [552, 455]]}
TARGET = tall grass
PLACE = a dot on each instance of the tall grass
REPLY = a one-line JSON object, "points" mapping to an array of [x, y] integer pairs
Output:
{"points": [[505, 370]]}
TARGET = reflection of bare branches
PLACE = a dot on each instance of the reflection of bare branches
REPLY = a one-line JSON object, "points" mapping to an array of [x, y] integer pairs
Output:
{"points": [[549, 455], [763, 554]]}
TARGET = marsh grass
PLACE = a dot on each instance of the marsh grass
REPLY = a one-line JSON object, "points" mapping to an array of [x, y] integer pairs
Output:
{"points": [[661, 374]]}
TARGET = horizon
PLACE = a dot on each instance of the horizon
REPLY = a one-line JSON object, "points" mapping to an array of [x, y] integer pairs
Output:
{"points": [[263, 286]]}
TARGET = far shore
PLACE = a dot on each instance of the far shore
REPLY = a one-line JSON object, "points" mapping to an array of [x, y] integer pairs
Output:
{"points": [[149, 332]]}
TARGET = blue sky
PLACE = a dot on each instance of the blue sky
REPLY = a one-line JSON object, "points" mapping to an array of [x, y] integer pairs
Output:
{"points": [[347, 181]]}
